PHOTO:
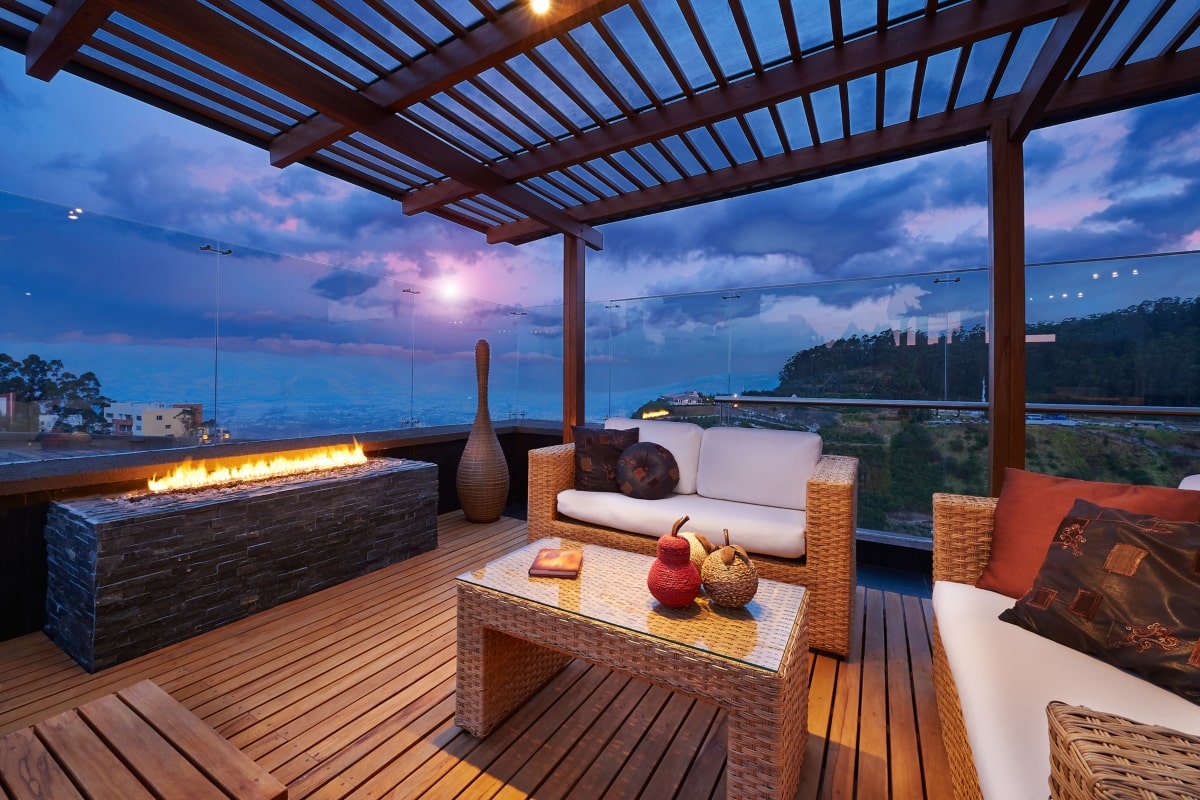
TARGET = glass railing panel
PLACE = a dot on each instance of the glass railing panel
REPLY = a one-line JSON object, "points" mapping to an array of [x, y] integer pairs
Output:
{"points": [[170, 339], [539, 360], [99, 359], [1119, 335]]}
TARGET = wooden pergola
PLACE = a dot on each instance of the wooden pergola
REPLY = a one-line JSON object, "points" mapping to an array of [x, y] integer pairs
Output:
{"points": [[522, 125]]}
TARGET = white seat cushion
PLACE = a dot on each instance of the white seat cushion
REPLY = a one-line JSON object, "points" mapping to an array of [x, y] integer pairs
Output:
{"points": [[759, 529], [681, 438], [751, 465], [1006, 676]]}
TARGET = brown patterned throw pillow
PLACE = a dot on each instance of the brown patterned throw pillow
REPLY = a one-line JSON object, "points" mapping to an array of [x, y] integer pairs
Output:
{"points": [[596, 454], [1125, 588], [647, 471]]}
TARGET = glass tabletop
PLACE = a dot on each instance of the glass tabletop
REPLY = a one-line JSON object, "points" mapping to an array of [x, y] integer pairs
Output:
{"points": [[611, 588]]}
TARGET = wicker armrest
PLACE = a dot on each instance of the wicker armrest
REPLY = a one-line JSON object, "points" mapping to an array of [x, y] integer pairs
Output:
{"points": [[831, 522], [1098, 755], [551, 470], [962, 536]]}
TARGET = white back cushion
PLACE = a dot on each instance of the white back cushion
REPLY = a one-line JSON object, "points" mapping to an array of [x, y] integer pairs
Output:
{"points": [[1190, 482], [681, 438], [751, 465]]}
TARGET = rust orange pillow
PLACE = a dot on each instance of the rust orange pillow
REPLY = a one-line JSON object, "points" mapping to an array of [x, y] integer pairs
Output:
{"points": [[1031, 506]]}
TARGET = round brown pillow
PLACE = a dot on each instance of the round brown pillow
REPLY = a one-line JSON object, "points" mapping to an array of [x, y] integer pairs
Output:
{"points": [[647, 471]]}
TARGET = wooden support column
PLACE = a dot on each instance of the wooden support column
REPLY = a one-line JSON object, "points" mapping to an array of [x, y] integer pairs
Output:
{"points": [[574, 327], [1006, 364]]}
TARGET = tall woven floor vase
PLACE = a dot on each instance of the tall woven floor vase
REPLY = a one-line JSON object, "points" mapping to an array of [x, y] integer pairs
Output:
{"points": [[482, 473]]}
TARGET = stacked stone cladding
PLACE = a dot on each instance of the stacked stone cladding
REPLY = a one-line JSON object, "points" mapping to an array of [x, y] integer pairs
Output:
{"points": [[128, 575]]}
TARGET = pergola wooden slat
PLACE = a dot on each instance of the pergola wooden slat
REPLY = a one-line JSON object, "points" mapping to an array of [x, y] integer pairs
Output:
{"points": [[639, 113]]}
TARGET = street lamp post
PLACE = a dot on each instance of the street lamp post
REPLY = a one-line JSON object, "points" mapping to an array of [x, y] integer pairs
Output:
{"points": [[610, 308], [517, 325], [412, 360], [729, 354], [208, 248]]}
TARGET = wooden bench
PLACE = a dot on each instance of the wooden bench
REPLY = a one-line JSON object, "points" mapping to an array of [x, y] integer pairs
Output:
{"points": [[138, 743]]}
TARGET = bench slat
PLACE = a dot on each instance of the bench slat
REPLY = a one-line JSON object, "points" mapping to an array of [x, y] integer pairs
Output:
{"points": [[154, 760], [30, 772], [211, 753], [88, 760]]}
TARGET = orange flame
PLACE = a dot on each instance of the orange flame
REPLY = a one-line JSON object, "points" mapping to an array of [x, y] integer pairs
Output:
{"points": [[199, 476]]}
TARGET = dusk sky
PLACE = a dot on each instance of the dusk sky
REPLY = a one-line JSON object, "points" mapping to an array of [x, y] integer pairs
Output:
{"points": [[1122, 184]]}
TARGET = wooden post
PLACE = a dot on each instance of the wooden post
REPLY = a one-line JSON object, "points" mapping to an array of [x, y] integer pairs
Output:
{"points": [[574, 327], [1006, 365]]}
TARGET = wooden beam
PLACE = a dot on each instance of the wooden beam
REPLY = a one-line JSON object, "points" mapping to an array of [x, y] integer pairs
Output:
{"points": [[574, 327], [478, 50], [1068, 38], [1006, 324], [213, 35], [947, 29], [60, 34], [1135, 84], [903, 140]]}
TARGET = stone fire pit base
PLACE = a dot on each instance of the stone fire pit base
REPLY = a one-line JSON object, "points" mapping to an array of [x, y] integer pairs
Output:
{"points": [[130, 574]]}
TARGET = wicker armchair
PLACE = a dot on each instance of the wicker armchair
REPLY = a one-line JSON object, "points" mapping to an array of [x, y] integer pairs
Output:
{"points": [[1092, 755], [827, 570]]}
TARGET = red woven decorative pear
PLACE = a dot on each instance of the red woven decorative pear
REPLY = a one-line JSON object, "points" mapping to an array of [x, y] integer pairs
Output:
{"points": [[673, 579]]}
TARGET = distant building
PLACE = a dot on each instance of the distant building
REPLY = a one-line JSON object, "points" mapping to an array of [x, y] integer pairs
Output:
{"points": [[684, 399], [153, 419], [8, 405]]}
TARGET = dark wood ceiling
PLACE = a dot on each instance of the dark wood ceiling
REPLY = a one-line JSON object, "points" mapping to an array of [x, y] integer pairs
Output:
{"points": [[521, 125]]}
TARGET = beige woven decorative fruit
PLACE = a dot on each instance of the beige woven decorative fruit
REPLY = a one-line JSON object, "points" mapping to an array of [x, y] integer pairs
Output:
{"points": [[729, 576], [701, 547]]}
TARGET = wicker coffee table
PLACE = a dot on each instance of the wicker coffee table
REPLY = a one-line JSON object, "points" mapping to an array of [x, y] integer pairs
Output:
{"points": [[517, 632]]}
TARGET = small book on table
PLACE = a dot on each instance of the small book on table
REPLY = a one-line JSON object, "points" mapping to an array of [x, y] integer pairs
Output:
{"points": [[555, 563]]}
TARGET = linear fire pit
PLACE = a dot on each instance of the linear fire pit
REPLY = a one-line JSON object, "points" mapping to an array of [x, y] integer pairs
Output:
{"points": [[130, 573]]}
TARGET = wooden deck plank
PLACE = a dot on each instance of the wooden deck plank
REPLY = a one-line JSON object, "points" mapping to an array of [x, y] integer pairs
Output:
{"points": [[841, 755], [904, 760], [159, 765], [873, 757], [349, 692], [88, 760], [30, 772], [606, 723], [208, 751], [545, 760], [919, 617]]}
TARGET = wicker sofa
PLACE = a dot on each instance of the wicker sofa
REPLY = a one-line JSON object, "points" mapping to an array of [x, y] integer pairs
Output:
{"points": [[826, 568], [1023, 735]]}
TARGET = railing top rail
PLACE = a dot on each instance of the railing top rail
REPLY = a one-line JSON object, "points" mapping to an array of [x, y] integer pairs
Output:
{"points": [[958, 405]]}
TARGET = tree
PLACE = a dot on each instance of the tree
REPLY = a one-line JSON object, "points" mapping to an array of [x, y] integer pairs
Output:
{"points": [[44, 387]]}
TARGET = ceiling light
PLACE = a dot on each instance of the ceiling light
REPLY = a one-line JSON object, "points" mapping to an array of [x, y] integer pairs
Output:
{"points": [[539, 6]]}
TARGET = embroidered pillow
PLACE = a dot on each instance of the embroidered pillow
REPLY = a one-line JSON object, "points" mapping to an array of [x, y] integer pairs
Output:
{"points": [[1122, 587], [596, 454], [1031, 505], [647, 471]]}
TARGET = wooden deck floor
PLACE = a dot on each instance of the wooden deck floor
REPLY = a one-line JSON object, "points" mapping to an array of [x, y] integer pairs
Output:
{"points": [[349, 693]]}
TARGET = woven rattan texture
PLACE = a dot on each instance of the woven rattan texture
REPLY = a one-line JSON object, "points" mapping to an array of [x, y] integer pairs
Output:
{"points": [[962, 542], [1093, 755], [611, 589], [509, 646], [963, 774], [827, 570], [1098, 756]]}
